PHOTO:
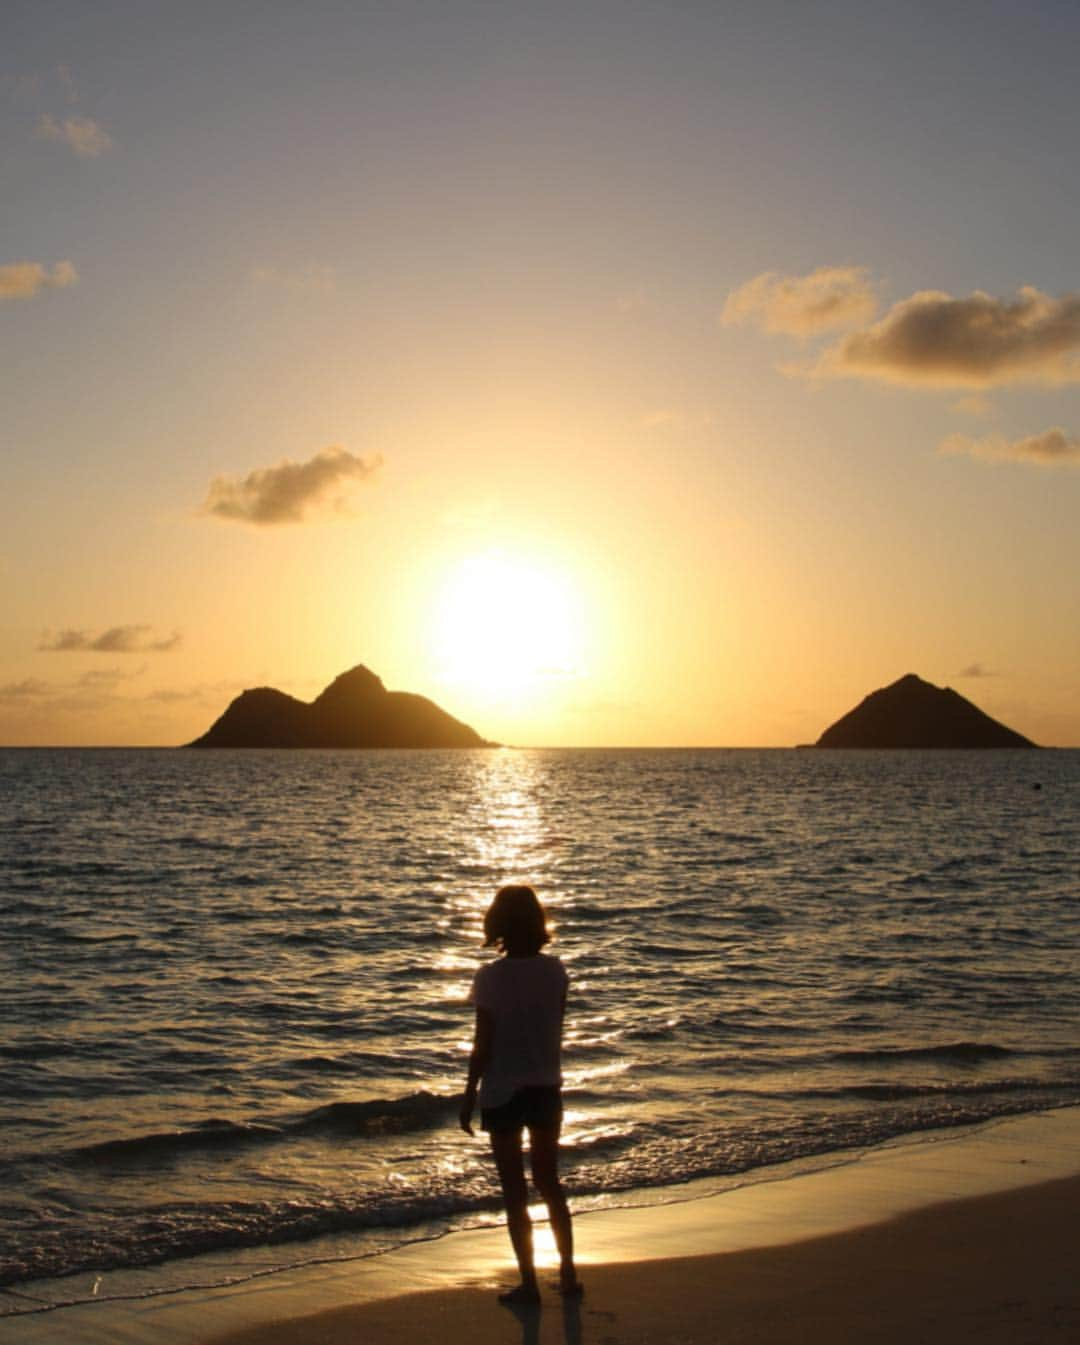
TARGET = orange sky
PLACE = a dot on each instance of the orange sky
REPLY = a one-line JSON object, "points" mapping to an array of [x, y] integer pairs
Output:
{"points": [[612, 374]]}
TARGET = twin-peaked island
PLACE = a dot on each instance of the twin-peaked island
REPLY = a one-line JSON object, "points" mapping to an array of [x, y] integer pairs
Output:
{"points": [[356, 710]]}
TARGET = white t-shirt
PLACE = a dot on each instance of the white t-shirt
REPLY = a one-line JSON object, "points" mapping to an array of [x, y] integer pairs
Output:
{"points": [[524, 996]]}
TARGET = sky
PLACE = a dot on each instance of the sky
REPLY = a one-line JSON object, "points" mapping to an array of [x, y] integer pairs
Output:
{"points": [[611, 373]]}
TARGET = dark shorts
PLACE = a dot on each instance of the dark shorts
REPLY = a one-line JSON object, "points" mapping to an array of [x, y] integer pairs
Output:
{"points": [[537, 1108]]}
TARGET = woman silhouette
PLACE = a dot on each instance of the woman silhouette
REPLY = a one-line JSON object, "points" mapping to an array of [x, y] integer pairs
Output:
{"points": [[515, 1062]]}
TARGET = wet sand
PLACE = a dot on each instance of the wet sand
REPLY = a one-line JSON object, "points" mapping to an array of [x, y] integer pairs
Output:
{"points": [[998, 1269]]}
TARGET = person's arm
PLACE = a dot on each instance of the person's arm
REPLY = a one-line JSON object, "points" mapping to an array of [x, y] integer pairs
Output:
{"points": [[478, 1062]]}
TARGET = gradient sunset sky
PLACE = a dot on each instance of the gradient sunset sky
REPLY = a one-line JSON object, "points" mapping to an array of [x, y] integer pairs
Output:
{"points": [[669, 373]]}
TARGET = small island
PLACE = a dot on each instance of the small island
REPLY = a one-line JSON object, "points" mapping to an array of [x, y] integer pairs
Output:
{"points": [[914, 713], [355, 710]]}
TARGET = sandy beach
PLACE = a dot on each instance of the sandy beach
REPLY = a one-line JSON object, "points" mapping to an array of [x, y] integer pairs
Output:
{"points": [[961, 1235], [998, 1269]]}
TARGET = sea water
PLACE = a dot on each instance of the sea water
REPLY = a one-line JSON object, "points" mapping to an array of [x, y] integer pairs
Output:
{"points": [[234, 984]]}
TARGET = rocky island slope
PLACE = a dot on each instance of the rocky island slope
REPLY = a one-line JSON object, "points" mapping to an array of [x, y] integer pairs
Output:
{"points": [[355, 710], [914, 713]]}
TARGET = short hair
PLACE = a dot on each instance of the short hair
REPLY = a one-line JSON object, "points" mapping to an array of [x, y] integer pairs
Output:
{"points": [[516, 922]]}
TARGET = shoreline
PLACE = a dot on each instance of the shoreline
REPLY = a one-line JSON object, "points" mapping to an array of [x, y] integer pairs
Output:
{"points": [[858, 1194], [996, 1268]]}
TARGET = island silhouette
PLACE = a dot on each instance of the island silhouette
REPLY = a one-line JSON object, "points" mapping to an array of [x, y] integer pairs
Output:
{"points": [[914, 713], [355, 710]]}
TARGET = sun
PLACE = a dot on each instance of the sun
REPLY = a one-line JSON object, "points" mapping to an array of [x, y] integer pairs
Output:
{"points": [[506, 624]]}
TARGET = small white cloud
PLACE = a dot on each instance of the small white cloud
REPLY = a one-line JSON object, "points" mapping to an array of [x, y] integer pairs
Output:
{"points": [[22, 280], [1051, 448], [83, 135], [289, 492], [828, 298], [115, 640]]}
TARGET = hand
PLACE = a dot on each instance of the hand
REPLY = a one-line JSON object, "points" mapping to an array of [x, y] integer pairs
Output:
{"points": [[465, 1117]]}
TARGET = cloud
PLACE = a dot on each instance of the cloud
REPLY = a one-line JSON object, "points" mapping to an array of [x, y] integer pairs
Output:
{"points": [[86, 137], [108, 677], [31, 688], [288, 492], [830, 297], [672, 418], [633, 302], [33, 698], [22, 280], [1051, 448], [976, 405], [976, 670], [115, 640], [167, 696], [203, 692], [311, 279], [978, 342], [67, 81]]}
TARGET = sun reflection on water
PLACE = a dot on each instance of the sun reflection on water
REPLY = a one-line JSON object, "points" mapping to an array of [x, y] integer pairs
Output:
{"points": [[500, 836], [503, 835], [509, 832]]}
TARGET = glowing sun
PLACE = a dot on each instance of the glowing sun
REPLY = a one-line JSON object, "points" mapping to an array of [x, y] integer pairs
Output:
{"points": [[504, 624]]}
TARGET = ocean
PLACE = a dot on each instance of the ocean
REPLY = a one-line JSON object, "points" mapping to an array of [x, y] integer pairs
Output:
{"points": [[234, 1023]]}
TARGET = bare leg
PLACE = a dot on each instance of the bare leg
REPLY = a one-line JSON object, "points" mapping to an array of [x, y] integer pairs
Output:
{"points": [[544, 1157], [511, 1167]]}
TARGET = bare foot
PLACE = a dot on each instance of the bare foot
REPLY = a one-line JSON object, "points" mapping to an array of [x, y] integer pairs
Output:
{"points": [[524, 1295]]}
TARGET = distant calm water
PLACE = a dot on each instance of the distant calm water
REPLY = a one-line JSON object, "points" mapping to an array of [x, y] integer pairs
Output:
{"points": [[233, 983]]}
